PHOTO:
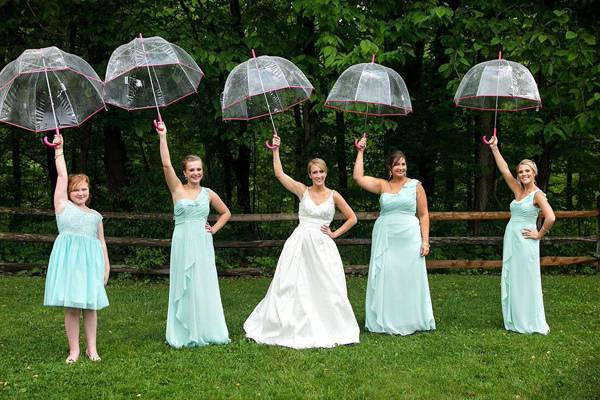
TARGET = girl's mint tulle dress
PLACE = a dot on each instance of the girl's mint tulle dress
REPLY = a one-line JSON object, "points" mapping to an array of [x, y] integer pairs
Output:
{"points": [[75, 275], [195, 316], [521, 284], [398, 300]]}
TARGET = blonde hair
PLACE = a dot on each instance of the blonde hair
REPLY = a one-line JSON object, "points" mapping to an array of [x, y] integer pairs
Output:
{"points": [[74, 181], [317, 162], [190, 158], [531, 165]]}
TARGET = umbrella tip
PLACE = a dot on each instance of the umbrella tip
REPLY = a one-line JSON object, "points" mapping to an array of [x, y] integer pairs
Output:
{"points": [[373, 58], [500, 55], [253, 54]]}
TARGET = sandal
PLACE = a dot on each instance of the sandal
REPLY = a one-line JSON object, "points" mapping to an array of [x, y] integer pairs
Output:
{"points": [[94, 358]]}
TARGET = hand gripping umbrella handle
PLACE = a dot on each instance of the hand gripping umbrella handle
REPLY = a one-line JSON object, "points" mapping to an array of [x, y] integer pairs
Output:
{"points": [[485, 140], [270, 146], [49, 143], [358, 147]]}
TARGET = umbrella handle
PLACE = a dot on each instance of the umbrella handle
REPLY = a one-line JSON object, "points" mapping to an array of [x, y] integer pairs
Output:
{"points": [[49, 143], [158, 124], [485, 140], [269, 145], [356, 142]]}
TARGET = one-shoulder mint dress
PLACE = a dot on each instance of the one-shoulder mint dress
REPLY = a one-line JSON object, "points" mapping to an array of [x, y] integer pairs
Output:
{"points": [[521, 283], [398, 300], [195, 316], [75, 275]]}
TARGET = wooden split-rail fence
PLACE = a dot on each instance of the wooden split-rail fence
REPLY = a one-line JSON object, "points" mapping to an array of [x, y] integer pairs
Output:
{"points": [[547, 261]]}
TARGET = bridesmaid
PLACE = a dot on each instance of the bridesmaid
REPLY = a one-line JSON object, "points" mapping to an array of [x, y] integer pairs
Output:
{"points": [[398, 300], [521, 286], [79, 267], [195, 316]]}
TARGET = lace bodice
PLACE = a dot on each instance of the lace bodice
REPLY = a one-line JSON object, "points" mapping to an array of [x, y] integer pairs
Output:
{"points": [[186, 210], [76, 221], [320, 214]]}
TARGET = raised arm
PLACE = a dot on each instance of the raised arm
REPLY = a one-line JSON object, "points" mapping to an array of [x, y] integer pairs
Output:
{"points": [[368, 183], [171, 178], [345, 209], [290, 184], [221, 209], [104, 252], [510, 180], [423, 215], [61, 196]]}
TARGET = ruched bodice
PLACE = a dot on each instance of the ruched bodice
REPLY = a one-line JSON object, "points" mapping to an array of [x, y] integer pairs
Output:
{"points": [[76, 221], [186, 210], [317, 214], [524, 210], [403, 202]]}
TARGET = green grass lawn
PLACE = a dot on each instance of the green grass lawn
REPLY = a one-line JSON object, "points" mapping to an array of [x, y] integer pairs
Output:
{"points": [[469, 356]]}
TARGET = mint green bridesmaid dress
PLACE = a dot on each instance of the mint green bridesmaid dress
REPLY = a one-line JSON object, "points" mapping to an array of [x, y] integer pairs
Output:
{"points": [[398, 300], [521, 283], [75, 275], [195, 316]]}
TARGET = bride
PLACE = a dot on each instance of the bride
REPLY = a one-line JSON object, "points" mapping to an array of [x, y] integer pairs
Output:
{"points": [[306, 304]]}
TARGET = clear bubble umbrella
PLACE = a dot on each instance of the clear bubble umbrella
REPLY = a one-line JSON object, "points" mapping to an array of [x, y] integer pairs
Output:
{"points": [[49, 89], [498, 85], [150, 73], [370, 89], [262, 86]]}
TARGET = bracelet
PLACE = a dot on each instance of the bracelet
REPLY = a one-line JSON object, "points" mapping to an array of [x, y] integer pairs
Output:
{"points": [[544, 229], [425, 244], [58, 155]]}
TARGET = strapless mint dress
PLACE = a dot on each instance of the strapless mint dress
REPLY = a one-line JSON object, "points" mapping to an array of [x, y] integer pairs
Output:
{"points": [[195, 316]]}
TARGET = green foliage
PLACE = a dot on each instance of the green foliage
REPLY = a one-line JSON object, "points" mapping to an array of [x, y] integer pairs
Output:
{"points": [[147, 258], [431, 44]]}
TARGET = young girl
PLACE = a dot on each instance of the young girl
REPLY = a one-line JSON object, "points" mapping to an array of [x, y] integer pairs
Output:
{"points": [[521, 284], [195, 315], [78, 268], [307, 303]]}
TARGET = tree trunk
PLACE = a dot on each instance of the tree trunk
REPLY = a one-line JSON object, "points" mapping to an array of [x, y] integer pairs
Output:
{"points": [[484, 173], [116, 165], [340, 145]]}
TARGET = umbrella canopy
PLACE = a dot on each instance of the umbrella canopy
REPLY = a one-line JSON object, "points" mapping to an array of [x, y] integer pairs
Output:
{"points": [[370, 89], [262, 86], [48, 89], [150, 73], [498, 85]]}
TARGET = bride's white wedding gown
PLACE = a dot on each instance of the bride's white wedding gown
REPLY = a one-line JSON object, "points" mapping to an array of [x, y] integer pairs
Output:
{"points": [[307, 302]]}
